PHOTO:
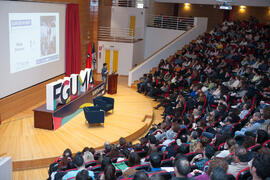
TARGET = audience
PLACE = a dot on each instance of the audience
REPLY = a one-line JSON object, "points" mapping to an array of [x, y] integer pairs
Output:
{"points": [[181, 169], [140, 175], [216, 162], [200, 160], [156, 177], [109, 173], [240, 161], [260, 168], [155, 160], [216, 99], [252, 127], [218, 173], [83, 175], [79, 164]]}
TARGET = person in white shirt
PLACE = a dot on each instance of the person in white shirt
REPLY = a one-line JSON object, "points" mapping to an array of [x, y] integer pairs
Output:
{"points": [[240, 161], [235, 83], [227, 146], [217, 92]]}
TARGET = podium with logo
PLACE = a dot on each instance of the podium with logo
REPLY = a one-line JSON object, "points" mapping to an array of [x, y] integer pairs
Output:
{"points": [[112, 83]]}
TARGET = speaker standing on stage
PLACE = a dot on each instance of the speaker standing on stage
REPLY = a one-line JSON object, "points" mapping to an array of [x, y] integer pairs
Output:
{"points": [[104, 73]]}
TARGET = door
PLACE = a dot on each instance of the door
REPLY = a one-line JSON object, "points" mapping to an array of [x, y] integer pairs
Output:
{"points": [[132, 26], [108, 58], [115, 61]]}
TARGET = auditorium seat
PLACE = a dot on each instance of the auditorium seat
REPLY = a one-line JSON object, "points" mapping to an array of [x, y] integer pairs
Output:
{"points": [[221, 147], [191, 155], [267, 143], [71, 178], [244, 174], [167, 163], [95, 168], [230, 177], [254, 148], [145, 167], [235, 127], [142, 154], [118, 173], [90, 163], [164, 174]]}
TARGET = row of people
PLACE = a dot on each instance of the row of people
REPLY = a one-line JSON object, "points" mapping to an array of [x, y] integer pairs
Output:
{"points": [[215, 96]]}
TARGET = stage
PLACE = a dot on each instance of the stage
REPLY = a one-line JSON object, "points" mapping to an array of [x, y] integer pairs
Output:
{"points": [[31, 147]]}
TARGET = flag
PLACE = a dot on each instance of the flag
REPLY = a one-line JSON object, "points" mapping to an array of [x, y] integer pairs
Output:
{"points": [[94, 60], [89, 57]]}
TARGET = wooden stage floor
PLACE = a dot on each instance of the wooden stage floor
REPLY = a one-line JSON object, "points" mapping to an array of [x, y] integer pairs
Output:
{"points": [[33, 148]]}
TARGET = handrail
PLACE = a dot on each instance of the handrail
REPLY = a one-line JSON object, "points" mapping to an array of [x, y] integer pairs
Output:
{"points": [[170, 22], [187, 18], [168, 50], [169, 43], [179, 17], [129, 3], [115, 34]]}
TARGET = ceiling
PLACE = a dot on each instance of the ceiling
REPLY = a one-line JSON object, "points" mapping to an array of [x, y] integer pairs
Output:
{"points": [[262, 3]]}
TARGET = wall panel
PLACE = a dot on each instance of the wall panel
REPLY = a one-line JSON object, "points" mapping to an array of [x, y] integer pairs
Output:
{"points": [[214, 15], [22, 100], [166, 9], [261, 13]]}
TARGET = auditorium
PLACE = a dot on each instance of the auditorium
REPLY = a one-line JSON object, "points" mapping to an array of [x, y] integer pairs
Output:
{"points": [[135, 90]]}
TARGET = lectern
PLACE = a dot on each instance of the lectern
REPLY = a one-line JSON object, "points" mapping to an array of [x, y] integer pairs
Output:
{"points": [[112, 83]]}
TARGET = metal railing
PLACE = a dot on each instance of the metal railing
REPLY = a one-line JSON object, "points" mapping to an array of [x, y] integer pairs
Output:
{"points": [[120, 34], [130, 3], [200, 26], [124, 3], [170, 22]]}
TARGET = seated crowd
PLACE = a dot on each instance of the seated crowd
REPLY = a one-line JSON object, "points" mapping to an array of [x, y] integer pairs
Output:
{"points": [[216, 99]]}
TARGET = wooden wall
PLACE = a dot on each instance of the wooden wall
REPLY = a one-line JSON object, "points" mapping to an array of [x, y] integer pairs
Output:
{"points": [[214, 15], [261, 13], [93, 30], [104, 13], [13, 104], [166, 9]]}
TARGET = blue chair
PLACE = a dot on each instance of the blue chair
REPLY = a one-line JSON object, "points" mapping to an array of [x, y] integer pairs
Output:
{"points": [[94, 114], [104, 103]]}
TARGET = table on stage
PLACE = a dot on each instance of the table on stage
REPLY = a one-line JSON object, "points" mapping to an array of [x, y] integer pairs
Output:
{"points": [[45, 119]]}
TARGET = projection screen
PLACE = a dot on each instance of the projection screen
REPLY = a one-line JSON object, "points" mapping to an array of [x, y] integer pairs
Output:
{"points": [[32, 44]]}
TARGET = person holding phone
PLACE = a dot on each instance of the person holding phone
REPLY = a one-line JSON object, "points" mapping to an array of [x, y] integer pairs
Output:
{"points": [[200, 159]]}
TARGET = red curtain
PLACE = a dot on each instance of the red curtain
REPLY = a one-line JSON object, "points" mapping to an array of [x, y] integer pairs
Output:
{"points": [[73, 44]]}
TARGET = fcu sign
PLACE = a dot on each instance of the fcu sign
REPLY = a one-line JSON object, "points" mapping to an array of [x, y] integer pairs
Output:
{"points": [[67, 89]]}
